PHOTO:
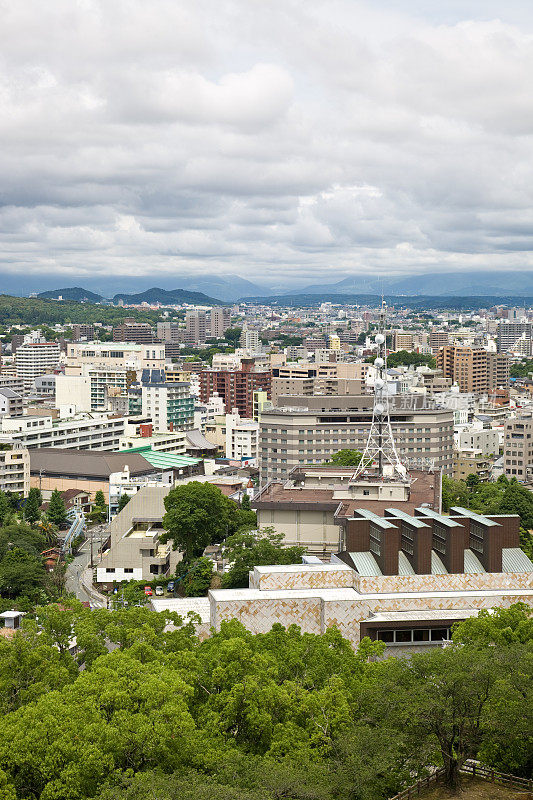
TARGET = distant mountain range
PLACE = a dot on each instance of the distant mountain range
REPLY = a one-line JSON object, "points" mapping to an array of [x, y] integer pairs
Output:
{"points": [[203, 290], [154, 295], [225, 287], [75, 293], [168, 297], [479, 283]]}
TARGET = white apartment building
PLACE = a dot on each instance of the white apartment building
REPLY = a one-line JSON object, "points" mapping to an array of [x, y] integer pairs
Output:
{"points": [[83, 432], [205, 413], [14, 468], [250, 341], [484, 442], [242, 437], [169, 405], [175, 442], [87, 387], [116, 355], [35, 359]]}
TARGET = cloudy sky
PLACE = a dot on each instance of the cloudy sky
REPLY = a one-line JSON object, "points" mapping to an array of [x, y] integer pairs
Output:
{"points": [[286, 141]]}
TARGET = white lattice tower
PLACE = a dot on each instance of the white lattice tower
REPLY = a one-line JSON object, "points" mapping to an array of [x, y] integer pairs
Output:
{"points": [[380, 450]]}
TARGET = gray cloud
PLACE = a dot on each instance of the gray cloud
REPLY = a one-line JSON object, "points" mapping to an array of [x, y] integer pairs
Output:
{"points": [[276, 140]]}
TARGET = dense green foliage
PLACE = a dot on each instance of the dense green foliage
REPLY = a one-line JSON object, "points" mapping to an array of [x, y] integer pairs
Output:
{"points": [[232, 336], [56, 512], [198, 514], [248, 549], [31, 508], [18, 310], [407, 358], [123, 501], [194, 577], [99, 510], [521, 369], [258, 717], [346, 458], [501, 497]]}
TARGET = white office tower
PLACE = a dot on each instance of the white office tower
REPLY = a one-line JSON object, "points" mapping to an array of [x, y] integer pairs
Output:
{"points": [[35, 359], [380, 455]]}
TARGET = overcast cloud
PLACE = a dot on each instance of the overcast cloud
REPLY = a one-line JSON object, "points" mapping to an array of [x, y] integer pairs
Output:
{"points": [[282, 140]]}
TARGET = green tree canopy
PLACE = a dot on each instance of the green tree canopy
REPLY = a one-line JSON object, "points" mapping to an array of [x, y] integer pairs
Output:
{"points": [[56, 512], [249, 549], [197, 514], [346, 458], [123, 501], [232, 336]]}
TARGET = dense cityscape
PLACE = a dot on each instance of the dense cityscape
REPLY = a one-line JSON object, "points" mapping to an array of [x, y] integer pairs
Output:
{"points": [[186, 479], [266, 400]]}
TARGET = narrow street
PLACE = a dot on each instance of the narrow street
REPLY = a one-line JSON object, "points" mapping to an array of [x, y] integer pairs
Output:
{"points": [[75, 570]]}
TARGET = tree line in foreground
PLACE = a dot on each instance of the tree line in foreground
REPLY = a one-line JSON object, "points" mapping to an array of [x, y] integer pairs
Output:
{"points": [[143, 711]]}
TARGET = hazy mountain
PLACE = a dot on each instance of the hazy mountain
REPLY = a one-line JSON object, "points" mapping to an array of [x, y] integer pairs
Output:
{"points": [[480, 283], [227, 287], [72, 293], [358, 284], [168, 296]]}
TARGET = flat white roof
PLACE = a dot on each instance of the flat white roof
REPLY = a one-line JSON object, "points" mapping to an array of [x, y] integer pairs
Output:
{"points": [[278, 568]]}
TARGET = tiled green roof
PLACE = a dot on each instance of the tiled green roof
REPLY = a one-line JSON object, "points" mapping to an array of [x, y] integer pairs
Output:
{"points": [[163, 460]]}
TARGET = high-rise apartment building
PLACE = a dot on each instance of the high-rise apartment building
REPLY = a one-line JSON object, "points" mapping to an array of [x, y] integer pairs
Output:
{"points": [[195, 327], [509, 334], [82, 331], [220, 321], [518, 447], [236, 387], [169, 405], [242, 437], [35, 359], [307, 430], [250, 341], [169, 332], [474, 369]]}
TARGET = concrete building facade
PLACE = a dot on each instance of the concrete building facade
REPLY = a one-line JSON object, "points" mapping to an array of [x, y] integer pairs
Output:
{"points": [[308, 430]]}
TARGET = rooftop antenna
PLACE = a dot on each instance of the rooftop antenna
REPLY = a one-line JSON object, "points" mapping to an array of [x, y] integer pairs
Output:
{"points": [[380, 450]]}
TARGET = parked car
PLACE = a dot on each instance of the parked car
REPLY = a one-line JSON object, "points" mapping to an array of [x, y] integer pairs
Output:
{"points": [[170, 586], [148, 591], [159, 591]]}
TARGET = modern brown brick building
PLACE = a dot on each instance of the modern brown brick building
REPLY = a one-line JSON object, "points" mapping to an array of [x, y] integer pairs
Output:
{"points": [[237, 387], [474, 369]]}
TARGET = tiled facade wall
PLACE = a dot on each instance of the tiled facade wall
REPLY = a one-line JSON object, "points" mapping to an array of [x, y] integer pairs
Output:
{"points": [[320, 579], [316, 614], [446, 583], [260, 615]]}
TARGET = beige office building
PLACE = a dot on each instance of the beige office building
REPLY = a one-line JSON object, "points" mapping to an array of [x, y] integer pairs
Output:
{"points": [[329, 378], [115, 355], [307, 430]]}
